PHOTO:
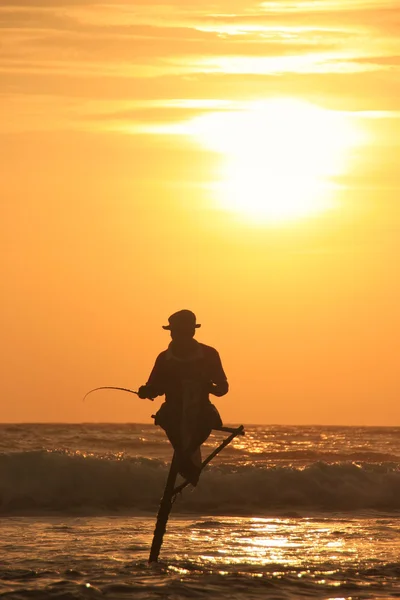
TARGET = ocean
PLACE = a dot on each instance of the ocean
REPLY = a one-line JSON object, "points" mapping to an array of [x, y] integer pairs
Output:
{"points": [[283, 512]]}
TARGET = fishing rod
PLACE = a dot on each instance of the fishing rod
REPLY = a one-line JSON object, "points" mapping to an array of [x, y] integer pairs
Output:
{"points": [[113, 387]]}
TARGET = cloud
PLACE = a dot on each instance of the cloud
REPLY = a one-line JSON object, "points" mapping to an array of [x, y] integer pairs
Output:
{"points": [[81, 50], [232, 4], [362, 91], [374, 17], [42, 41], [379, 60]]}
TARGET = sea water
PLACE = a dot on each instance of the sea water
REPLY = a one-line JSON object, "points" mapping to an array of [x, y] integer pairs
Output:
{"points": [[283, 512]]}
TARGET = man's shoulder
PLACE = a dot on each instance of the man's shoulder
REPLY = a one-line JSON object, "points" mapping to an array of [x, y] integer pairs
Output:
{"points": [[161, 356], [208, 350]]}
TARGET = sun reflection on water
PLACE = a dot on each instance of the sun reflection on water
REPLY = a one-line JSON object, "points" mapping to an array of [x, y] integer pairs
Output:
{"points": [[279, 446], [302, 547]]}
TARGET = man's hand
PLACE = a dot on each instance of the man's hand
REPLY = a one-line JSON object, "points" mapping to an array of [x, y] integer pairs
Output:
{"points": [[219, 389], [147, 391]]}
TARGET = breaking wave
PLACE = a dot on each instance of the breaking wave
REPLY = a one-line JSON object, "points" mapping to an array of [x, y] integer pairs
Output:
{"points": [[57, 481]]}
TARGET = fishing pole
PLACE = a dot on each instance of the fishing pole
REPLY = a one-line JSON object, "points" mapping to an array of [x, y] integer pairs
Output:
{"points": [[113, 387]]}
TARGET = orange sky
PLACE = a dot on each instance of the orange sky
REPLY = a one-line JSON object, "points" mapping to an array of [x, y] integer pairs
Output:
{"points": [[135, 138]]}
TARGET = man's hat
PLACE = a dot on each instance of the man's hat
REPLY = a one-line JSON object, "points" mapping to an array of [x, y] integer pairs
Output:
{"points": [[182, 319]]}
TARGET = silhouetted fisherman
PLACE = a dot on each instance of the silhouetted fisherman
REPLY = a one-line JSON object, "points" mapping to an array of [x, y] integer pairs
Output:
{"points": [[187, 373]]}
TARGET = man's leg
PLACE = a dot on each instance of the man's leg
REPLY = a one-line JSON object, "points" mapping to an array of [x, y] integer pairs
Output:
{"points": [[209, 419], [169, 419]]}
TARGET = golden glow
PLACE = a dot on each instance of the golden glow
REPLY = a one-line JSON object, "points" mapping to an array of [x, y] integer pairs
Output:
{"points": [[280, 157], [133, 150]]}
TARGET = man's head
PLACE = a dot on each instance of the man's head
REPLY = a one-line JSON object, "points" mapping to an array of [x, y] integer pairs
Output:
{"points": [[182, 325]]}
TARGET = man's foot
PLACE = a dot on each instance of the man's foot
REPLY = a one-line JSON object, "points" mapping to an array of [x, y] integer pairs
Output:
{"points": [[188, 470]]}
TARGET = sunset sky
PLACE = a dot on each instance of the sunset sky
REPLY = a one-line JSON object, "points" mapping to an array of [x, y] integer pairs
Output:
{"points": [[237, 158]]}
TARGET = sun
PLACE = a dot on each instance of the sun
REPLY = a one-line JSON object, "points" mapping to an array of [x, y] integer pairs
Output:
{"points": [[280, 157]]}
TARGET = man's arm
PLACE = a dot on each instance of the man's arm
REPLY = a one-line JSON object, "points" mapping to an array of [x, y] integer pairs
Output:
{"points": [[155, 384], [219, 384]]}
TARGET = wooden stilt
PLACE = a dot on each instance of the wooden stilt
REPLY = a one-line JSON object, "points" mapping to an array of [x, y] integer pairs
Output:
{"points": [[171, 491], [163, 511]]}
